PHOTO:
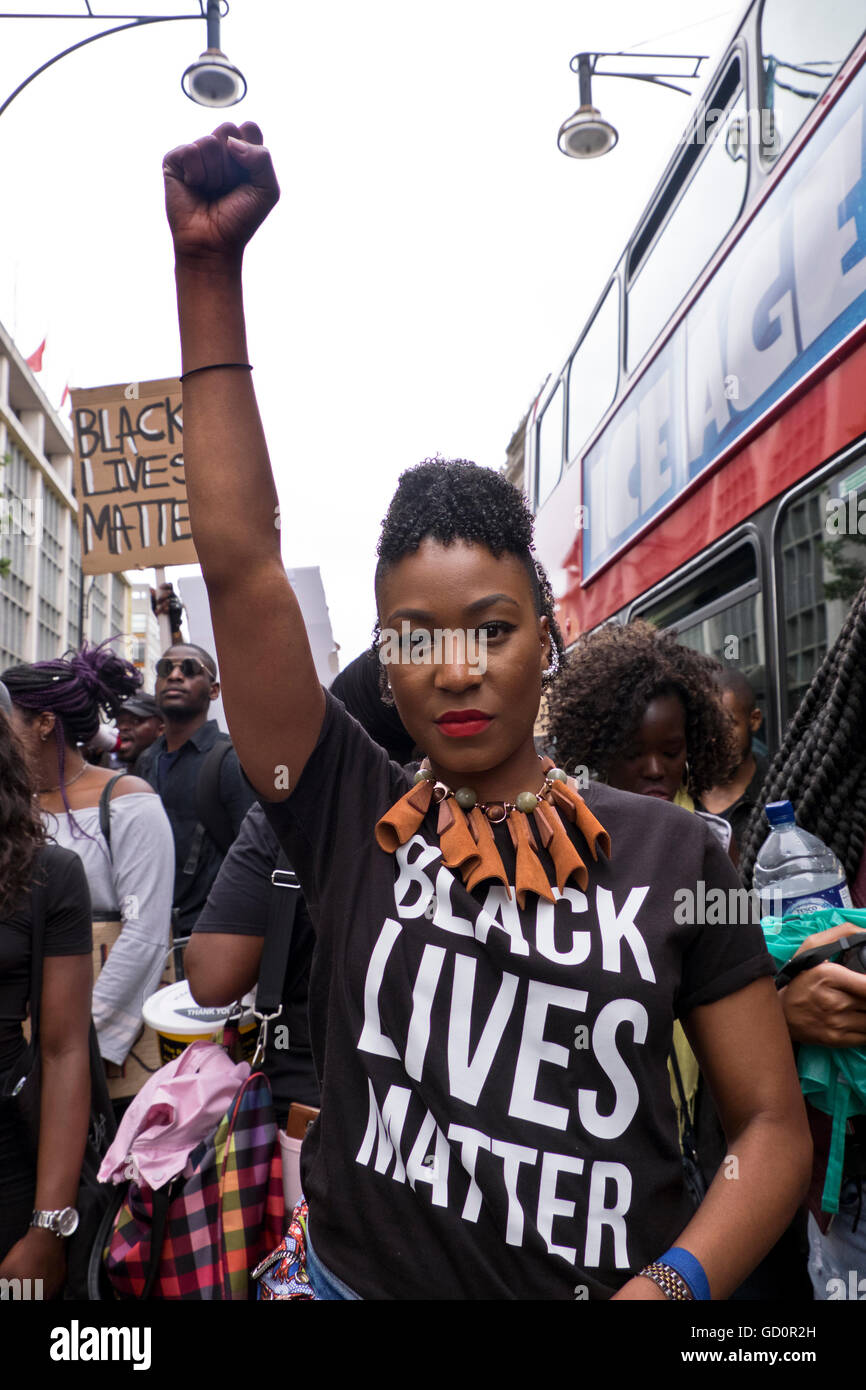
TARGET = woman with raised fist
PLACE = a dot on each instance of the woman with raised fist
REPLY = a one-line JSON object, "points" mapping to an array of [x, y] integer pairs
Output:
{"points": [[497, 969]]}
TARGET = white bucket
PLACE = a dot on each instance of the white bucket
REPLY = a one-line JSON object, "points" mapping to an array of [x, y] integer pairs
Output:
{"points": [[178, 1020]]}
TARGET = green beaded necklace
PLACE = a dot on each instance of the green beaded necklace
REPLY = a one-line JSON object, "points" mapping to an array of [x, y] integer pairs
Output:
{"points": [[495, 811]]}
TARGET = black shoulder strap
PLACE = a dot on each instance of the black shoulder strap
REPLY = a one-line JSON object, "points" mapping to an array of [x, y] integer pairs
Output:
{"points": [[208, 808], [105, 810], [278, 936]]}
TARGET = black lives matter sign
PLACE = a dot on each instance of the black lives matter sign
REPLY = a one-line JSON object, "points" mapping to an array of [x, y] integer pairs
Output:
{"points": [[129, 478]]}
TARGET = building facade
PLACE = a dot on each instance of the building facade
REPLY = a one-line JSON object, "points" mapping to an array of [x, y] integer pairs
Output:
{"points": [[44, 607]]}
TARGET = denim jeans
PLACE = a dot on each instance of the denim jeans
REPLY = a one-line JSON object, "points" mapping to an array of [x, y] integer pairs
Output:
{"points": [[837, 1260], [325, 1284]]}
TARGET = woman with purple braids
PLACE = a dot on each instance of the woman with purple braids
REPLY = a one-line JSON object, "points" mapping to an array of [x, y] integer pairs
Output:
{"points": [[56, 710]]}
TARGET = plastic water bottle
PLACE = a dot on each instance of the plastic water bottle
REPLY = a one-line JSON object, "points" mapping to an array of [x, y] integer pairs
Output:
{"points": [[795, 872]]}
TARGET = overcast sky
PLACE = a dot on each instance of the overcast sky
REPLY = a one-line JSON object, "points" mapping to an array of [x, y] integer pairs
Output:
{"points": [[433, 256]]}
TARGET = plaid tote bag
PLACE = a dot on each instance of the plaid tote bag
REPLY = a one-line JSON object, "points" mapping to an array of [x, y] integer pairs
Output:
{"points": [[201, 1235]]}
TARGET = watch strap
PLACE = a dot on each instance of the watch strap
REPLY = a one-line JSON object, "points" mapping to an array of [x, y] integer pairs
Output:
{"points": [[50, 1220]]}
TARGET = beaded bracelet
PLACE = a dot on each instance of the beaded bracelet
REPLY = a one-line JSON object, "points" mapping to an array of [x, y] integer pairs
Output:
{"points": [[213, 366], [672, 1284]]}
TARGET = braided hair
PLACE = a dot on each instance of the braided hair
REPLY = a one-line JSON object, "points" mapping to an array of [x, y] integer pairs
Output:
{"points": [[821, 765], [75, 688], [610, 678], [448, 500]]}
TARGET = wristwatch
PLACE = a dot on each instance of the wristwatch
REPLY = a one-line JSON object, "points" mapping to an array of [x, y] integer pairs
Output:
{"points": [[62, 1223]]}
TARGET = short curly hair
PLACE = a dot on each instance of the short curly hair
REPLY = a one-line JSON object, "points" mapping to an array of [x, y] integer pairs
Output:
{"points": [[611, 676], [452, 500]]}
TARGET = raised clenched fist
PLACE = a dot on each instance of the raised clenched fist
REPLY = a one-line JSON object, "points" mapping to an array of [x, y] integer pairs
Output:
{"points": [[218, 190]]}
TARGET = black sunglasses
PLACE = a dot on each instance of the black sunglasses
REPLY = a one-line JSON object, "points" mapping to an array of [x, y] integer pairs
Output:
{"points": [[189, 666]]}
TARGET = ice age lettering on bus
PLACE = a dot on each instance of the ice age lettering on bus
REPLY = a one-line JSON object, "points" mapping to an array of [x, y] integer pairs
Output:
{"points": [[503, 1039], [791, 289], [130, 478]]}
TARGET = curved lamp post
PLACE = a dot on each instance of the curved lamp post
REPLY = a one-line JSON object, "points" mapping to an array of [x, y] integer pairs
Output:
{"points": [[211, 81], [586, 135]]}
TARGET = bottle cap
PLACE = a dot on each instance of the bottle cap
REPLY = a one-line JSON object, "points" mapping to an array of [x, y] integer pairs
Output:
{"points": [[780, 813]]}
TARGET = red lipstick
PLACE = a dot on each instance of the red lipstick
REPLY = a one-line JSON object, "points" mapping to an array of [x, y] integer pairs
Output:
{"points": [[463, 723]]}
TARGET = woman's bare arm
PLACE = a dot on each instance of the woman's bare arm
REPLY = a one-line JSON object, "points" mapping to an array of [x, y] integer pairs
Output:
{"points": [[744, 1051], [217, 194], [222, 967], [64, 1029]]}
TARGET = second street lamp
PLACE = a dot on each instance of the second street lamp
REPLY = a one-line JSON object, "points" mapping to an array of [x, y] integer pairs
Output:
{"points": [[586, 135]]}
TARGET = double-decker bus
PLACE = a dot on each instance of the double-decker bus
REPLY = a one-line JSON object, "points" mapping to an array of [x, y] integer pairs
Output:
{"points": [[700, 458]]}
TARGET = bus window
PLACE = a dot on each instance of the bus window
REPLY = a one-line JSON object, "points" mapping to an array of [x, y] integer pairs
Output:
{"points": [[822, 565], [549, 447], [802, 45], [593, 373], [707, 209], [718, 612]]}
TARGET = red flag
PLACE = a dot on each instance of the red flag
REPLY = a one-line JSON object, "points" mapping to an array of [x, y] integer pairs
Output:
{"points": [[65, 394], [34, 361]]}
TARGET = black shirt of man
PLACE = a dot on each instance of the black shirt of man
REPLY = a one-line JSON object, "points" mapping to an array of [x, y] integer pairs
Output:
{"points": [[175, 776], [739, 813]]}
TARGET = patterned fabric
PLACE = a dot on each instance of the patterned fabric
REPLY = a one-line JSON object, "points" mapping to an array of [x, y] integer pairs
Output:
{"points": [[223, 1211], [282, 1275]]}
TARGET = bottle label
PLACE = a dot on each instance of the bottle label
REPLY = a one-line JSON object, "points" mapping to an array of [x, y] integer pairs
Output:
{"points": [[836, 896]]}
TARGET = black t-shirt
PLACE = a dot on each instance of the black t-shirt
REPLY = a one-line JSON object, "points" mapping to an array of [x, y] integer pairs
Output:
{"points": [[239, 904], [175, 777], [496, 1117], [740, 812], [67, 933]]}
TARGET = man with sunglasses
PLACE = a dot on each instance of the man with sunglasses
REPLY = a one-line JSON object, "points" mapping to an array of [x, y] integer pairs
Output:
{"points": [[195, 770]]}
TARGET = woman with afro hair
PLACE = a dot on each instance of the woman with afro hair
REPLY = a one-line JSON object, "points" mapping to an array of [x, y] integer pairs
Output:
{"points": [[496, 968], [643, 713]]}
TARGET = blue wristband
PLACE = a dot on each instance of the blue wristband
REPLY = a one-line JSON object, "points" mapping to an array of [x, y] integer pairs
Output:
{"points": [[690, 1269]]}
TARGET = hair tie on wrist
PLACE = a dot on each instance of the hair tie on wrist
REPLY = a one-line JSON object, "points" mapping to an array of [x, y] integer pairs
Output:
{"points": [[214, 366], [689, 1268]]}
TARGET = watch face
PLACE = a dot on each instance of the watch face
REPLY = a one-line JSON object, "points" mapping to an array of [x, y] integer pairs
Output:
{"points": [[67, 1221]]}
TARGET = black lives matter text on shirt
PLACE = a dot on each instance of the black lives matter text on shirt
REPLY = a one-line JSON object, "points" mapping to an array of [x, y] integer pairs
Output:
{"points": [[496, 1112]]}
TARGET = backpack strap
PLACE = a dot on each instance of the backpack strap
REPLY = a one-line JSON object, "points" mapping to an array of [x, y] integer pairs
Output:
{"points": [[211, 813], [105, 810], [285, 891]]}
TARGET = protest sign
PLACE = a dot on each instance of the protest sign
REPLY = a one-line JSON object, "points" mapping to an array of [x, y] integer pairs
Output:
{"points": [[129, 478]]}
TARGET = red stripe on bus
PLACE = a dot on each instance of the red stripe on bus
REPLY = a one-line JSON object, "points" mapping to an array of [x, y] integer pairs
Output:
{"points": [[825, 419]]}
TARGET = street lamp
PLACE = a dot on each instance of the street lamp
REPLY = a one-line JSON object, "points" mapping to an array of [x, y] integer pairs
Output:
{"points": [[586, 135], [211, 81]]}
